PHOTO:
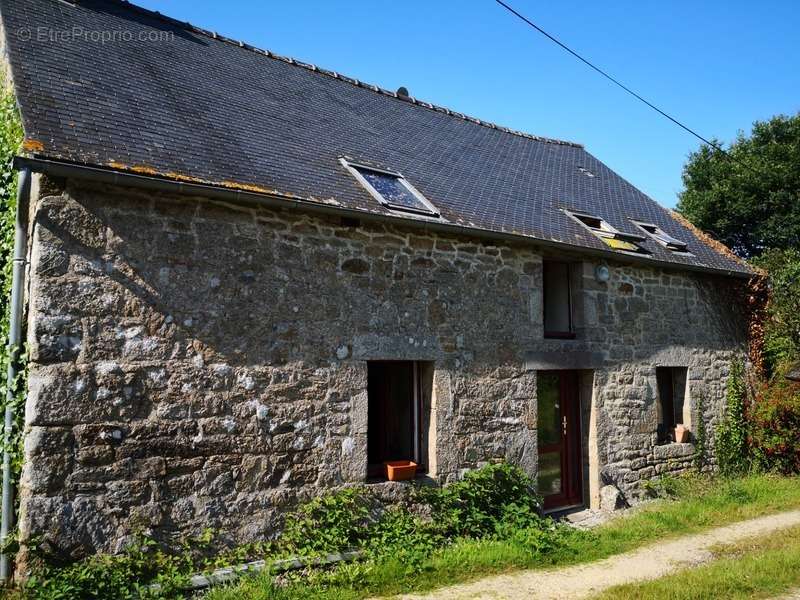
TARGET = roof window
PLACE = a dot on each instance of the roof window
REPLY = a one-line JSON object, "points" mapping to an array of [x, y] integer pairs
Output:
{"points": [[613, 238], [391, 189], [662, 237]]}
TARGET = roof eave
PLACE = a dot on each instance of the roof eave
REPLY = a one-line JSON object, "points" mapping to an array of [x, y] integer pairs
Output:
{"points": [[108, 175]]}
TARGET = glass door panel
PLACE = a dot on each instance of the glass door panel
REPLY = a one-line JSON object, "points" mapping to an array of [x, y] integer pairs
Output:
{"points": [[549, 473], [550, 480]]}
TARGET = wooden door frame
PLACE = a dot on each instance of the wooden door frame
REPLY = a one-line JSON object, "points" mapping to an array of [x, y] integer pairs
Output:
{"points": [[571, 443]]}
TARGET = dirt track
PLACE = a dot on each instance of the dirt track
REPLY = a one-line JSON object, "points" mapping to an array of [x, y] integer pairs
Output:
{"points": [[581, 581]]}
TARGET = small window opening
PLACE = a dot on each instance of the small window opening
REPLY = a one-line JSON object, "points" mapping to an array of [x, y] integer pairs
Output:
{"points": [[350, 222], [662, 237], [671, 383], [586, 171], [611, 236], [391, 189], [399, 414], [557, 305]]}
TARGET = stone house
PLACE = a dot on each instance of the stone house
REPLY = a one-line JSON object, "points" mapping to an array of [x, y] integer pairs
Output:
{"points": [[251, 279]]}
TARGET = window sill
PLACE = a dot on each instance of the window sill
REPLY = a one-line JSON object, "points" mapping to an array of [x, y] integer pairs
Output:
{"points": [[559, 335], [419, 478], [673, 450]]}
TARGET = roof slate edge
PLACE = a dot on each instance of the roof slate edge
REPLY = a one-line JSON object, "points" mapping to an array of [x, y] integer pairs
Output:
{"points": [[336, 75], [116, 176]]}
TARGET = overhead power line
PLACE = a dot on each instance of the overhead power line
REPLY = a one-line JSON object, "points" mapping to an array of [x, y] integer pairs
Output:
{"points": [[714, 145]]}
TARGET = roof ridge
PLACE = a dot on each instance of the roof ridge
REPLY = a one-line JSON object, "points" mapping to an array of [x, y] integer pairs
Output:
{"points": [[335, 75]]}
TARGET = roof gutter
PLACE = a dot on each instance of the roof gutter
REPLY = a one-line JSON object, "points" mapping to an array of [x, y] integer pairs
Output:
{"points": [[107, 175]]}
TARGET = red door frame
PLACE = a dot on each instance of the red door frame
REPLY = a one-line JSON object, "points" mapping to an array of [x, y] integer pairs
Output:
{"points": [[569, 446]]}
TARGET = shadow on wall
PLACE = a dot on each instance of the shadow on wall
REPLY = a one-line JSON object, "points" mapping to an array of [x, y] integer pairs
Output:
{"points": [[226, 347], [186, 278]]}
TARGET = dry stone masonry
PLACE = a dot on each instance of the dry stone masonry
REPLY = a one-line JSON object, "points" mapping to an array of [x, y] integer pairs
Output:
{"points": [[195, 364]]}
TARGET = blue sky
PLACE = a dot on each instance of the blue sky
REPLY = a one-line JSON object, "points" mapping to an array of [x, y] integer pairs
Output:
{"points": [[717, 66]]}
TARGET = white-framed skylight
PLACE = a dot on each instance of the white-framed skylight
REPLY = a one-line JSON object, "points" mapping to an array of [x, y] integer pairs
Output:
{"points": [[662, 237], [611, 236], [391, 189]]}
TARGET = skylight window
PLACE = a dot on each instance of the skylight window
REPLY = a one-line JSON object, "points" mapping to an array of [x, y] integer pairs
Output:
{"points": [[391, 189], [612, 237], [662, 237]]}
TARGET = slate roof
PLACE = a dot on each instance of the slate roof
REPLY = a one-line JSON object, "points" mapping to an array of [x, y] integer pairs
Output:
{"points": [[202, 107]]}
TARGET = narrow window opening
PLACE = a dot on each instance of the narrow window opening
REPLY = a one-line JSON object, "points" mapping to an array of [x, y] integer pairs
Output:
{"points": [[557, 305], [398, 417], [350, 222], [611, 237], [671, 383]]}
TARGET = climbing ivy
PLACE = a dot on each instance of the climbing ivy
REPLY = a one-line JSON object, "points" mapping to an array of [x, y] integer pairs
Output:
{"points": [[701, 443], [731, 434], [10, 142]]}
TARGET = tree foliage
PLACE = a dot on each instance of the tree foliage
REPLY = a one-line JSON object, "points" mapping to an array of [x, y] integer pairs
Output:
{"points": [[782, 326], [775, 427], [750, 200]]}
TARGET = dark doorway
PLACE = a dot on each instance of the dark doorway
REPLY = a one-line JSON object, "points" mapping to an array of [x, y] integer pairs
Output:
{"points": [[394, 418], [559, 437]]}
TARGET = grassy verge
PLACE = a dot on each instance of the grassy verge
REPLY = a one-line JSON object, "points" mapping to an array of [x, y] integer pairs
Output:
{"points": [[697, 504], [759, 568]]}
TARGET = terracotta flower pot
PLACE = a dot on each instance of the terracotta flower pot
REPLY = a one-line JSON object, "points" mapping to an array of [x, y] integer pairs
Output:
{"points": [[400, 470], [681, 434]]}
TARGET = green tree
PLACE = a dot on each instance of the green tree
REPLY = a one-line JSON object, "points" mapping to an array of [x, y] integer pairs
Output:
{"points": [[749, 200], [782, 326]]}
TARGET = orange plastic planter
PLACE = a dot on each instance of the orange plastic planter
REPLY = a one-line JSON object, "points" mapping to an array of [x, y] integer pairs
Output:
{"points": [[400, 470]]}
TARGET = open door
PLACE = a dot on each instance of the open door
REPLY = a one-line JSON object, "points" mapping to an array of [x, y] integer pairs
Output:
{"points": [[559, 437]]}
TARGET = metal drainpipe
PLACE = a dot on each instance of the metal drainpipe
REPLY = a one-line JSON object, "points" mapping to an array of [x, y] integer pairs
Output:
{"points": [[14, 342]]}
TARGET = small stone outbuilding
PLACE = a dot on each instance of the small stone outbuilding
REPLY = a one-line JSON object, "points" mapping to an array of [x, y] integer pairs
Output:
{"points": [[252, 279]]}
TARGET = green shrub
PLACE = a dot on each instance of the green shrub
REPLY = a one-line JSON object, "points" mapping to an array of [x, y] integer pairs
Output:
{"points": [[524, 527], [475, 505], [731, 434], [330, 523], [775, 427], [127, 576], [405, 537], [353, 518], [495, 502], [782, 324]]}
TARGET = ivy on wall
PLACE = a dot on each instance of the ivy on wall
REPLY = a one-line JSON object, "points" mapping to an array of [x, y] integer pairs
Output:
{"points": [[733, 453], [10, 141], [700, 435]]}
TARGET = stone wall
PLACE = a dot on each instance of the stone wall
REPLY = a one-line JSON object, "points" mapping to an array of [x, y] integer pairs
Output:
{"points": [[195, 364]]}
